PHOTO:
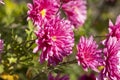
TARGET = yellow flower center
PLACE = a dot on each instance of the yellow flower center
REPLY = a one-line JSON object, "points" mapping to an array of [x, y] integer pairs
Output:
{"points": [[100, 68], [43, 13], [53, 38]]}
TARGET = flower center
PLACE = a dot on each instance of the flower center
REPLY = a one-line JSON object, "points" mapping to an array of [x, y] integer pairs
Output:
{"points": [[100, 68], [43, 13], [53, 38]]}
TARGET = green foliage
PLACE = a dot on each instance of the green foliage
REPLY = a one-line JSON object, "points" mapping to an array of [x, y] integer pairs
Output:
{"points": [[1, 68], [30, 31]]}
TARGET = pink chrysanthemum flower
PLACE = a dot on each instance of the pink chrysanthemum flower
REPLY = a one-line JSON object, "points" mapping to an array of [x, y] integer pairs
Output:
{"points": [[88, 56], [58, 77], [76, 11], [112, 59], [42, 10], [56, 40], [1, 46], [114, 30]]}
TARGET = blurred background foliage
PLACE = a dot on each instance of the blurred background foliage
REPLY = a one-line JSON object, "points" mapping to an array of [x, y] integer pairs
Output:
{"points": [[19, 63]]}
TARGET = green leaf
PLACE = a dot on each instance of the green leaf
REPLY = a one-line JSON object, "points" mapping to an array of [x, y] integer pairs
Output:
{"points": [[1, 68], [30, 31]]}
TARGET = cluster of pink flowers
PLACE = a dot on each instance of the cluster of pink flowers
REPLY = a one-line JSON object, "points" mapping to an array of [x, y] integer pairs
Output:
{"points": [[111, 52], [55, 34], [108, 58], [55, 37], [42, 11]]}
